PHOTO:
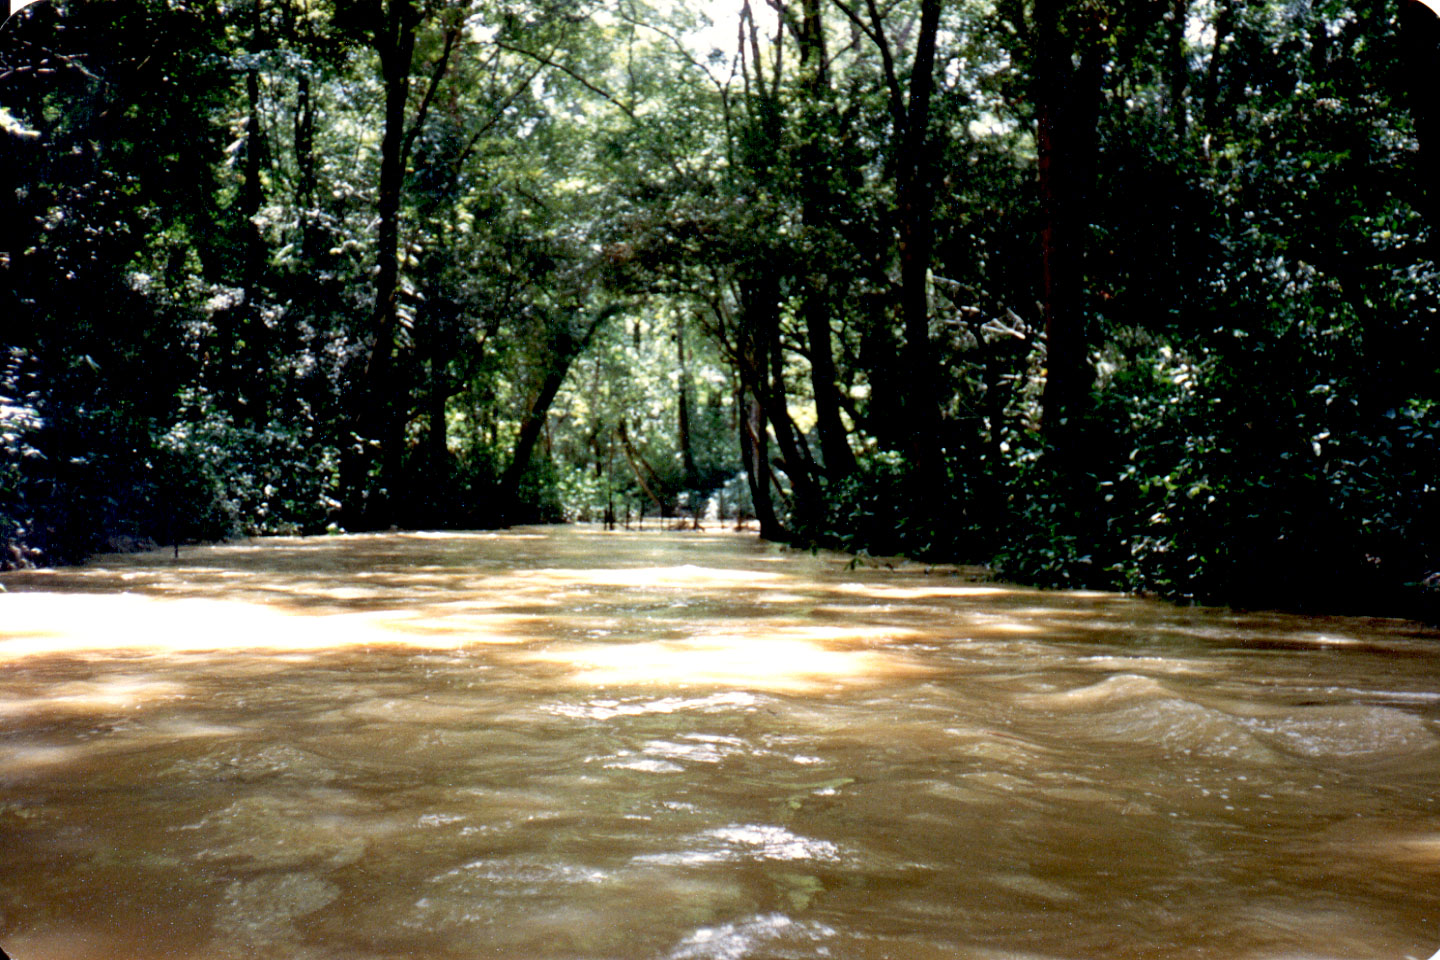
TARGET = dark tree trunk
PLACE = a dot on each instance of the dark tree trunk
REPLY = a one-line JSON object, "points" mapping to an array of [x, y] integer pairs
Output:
{"points": [[654, 488], [1066, 102], [917, 238], [813, 57], [253, 356], [1420, 30], [384, 400], [437, 480], [750, 354], [247, 341], [253, 195], [761, 364], [438, 452], [388, 403], [834, 440], [799, 466], [687, 445], [531, 427], [755, 447], [565, 348], [306, 181], [905, 391], [815, 213]]}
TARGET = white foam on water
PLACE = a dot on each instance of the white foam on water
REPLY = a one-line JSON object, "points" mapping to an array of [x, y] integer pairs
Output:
{"points": [[1346, 731], [746, 842], [735, 941], [607, 709]]}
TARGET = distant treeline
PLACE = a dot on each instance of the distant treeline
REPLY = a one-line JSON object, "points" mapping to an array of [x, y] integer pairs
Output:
{"points": [[1129, 295]]}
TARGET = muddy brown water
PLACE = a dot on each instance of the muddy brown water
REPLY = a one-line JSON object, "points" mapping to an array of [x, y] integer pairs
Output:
{"points": [[565, 743]]}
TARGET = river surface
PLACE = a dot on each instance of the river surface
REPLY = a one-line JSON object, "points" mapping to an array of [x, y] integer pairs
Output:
{"points": [[563, 743]]}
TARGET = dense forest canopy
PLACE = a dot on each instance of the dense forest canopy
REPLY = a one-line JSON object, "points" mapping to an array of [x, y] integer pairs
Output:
{"points": [[1133, 294]]}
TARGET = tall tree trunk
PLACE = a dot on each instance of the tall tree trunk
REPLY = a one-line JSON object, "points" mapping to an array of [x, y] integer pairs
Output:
{"points": [[687, 445], [253, 195], [531, 426], [565, 348], [824, 385], [752, 396], [808, 505], [389, 396], [248, 363], [436, 488], [437, 442], [384, 401], [1420, 31], [640, 467], [914, 193], [815, 214], [755, 448], [1066, 104], [306, 181], [908, 390], [814, 61], [761, 365]]}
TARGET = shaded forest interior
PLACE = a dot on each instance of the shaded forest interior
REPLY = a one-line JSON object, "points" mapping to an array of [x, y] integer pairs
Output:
{"points": [[1127, 294]]}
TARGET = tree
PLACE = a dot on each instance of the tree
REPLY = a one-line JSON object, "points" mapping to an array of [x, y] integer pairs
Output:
{"points": [[390, 28], [1420, 27], [1066, 98]]}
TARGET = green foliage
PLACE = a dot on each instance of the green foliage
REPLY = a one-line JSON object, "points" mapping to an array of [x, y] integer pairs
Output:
{"points": [[874, 509], [887, 507], [1259, 488], [219, 480], [19, 424], [540, 494], [618, 255]]}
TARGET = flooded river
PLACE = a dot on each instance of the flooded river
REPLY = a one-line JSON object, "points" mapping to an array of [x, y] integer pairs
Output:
{"points": [[571, 744]]}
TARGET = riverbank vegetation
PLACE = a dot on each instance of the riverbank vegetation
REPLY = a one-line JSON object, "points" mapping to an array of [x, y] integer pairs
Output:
{"points": [[1130, 295]]}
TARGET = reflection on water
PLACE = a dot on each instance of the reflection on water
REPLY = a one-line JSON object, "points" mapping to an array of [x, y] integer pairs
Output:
{"points": [[572, 744]]}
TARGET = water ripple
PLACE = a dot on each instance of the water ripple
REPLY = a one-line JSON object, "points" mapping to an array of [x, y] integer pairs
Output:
{"points": [[746, 842], [733, 941]]}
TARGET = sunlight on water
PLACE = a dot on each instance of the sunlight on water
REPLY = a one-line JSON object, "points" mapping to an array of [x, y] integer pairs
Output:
{"points": [[684, 577], [38, 623], [582, 745], [765, 663], [776, 659], [54, 623]]}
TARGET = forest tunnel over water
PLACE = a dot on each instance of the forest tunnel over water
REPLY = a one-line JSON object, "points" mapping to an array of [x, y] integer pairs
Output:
{"points": [[572, 744]]}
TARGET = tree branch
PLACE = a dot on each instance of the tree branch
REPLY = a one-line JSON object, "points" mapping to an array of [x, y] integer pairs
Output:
{"points": [[436, 75], [875, 31], [573, 74], [675, 41], [495, 117]]}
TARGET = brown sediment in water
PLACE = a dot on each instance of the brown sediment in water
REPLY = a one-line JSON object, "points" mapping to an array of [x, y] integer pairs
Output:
{"points": [[573, 744]]}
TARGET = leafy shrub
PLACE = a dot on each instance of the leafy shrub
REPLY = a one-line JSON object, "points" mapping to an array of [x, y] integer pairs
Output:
{"points": [[887, 507]]}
